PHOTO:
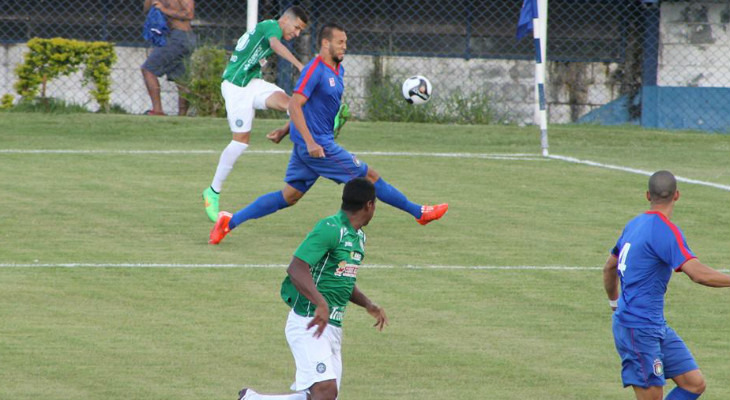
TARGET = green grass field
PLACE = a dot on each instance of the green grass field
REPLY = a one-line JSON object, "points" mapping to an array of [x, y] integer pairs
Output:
{"points": [[124, 191]]}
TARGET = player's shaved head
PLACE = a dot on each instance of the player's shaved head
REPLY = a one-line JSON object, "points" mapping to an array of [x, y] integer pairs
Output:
{"points": [[327, 30], [357, 193], [662, 186]]}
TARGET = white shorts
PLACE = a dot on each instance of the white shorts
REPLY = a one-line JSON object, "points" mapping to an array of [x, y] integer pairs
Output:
{"points": [[316, 359], [241, 102]]}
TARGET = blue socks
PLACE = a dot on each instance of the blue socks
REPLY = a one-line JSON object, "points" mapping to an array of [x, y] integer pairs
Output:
{"points": [[680, 394], [274, 201], [390, 195], [264, 205]]}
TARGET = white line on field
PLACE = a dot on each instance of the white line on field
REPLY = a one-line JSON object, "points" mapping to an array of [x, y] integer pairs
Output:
{"points": [[636, 171], [282, 266], [376, 266], [490, 156]]}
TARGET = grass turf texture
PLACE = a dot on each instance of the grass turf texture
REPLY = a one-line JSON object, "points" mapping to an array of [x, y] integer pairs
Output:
{"points": [[119, 333]]}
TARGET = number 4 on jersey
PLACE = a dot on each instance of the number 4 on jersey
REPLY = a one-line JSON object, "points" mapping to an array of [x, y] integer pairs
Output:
{"points": [[622, 257]]}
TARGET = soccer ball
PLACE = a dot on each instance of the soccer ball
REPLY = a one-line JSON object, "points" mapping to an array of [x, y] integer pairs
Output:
{"points": [[417, 90]]}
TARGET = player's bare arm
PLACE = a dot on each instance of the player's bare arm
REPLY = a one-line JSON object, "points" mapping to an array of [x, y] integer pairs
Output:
{"points": [[610, 278], [359, 298], [297, 118], [301, 277], [284, 53], [704, 275], [278, 134]]}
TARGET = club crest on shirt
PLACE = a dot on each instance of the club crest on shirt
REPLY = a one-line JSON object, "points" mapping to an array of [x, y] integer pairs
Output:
{"points": [[658, 367], [332, 82], [321, 368]]}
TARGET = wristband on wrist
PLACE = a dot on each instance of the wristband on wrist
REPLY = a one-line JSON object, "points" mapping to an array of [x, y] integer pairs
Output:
{"points": [[613, 303]]}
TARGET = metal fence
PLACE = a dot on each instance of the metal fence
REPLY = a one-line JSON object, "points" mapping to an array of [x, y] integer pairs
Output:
{"points": [[655, 63]]}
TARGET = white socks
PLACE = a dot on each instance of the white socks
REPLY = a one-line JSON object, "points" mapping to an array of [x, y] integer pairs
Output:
{"points": [[228, 157], [251, 395]]}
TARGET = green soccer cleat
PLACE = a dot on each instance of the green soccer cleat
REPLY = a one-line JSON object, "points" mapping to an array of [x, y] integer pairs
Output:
{"points": [[342, 115], [210, 198]]}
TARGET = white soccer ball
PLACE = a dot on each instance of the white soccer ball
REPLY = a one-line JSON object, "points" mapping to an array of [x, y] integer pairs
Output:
{"points": [[417, 90]]}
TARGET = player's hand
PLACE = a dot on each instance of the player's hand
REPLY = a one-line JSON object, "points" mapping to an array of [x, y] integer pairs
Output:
{"points": [[315, 150], [321, 318], [379, 314], [157, 4], [277, 134]]}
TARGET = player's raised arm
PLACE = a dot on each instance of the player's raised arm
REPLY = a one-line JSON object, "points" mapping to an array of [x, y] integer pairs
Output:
{"points": [[704, 275], [297, 118], [301, 277], [359, 298], [284, 52]]}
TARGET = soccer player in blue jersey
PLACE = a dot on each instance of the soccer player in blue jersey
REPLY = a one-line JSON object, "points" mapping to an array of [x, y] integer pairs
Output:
{"points": [[648, 250], [313, 106]]}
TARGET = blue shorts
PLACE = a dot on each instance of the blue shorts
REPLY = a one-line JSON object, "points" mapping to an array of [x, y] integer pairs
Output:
{"points": [[170, 59], [649, 356], [338, 165]]}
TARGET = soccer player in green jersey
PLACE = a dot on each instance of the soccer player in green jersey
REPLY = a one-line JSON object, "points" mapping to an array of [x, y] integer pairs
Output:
{"points": [[319, 286], [244, 90]]}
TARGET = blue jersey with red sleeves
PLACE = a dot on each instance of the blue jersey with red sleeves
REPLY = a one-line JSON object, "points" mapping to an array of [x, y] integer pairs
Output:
{"points": [[649, 249], [322, 85]]}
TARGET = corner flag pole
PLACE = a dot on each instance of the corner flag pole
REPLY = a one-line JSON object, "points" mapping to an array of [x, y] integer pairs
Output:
{"points": [[539, 32], [252, 14], [533, 17]]}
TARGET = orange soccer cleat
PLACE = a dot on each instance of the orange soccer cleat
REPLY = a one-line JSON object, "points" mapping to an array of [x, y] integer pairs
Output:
{"points": [[432, 213], [220, 229]]}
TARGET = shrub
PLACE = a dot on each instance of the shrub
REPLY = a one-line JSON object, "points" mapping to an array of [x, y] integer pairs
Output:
{"points": [[50, 58], [202, 81]]}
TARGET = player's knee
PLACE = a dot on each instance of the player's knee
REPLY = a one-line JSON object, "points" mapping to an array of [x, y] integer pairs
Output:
{"points": [[278, 101], [326, 390], [291, 195], [697, 386], [372, 175]]}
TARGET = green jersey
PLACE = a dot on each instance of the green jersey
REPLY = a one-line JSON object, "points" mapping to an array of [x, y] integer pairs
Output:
{"points": [[334, 251], [246, 60]]}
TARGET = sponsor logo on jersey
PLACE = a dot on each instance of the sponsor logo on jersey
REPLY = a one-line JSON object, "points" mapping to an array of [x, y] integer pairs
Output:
{"points": [[321, 368], [345, 269], [348, 244], [332, 82], [356, 256], [658, 367], [337, 314], [355, 160]]}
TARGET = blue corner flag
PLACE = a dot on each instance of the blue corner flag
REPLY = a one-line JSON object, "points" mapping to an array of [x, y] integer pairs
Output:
{"points": [[527, 14]]}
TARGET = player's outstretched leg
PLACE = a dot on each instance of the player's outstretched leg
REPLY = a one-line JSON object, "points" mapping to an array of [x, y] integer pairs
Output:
{"points": [[264, 205], [423, 214], [225, 165], [221, 228]]}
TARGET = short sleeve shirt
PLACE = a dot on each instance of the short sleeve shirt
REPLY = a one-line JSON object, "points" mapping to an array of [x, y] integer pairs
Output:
{"points": [[251, 49], [648, 250], [334, 251], [322, 85]]}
